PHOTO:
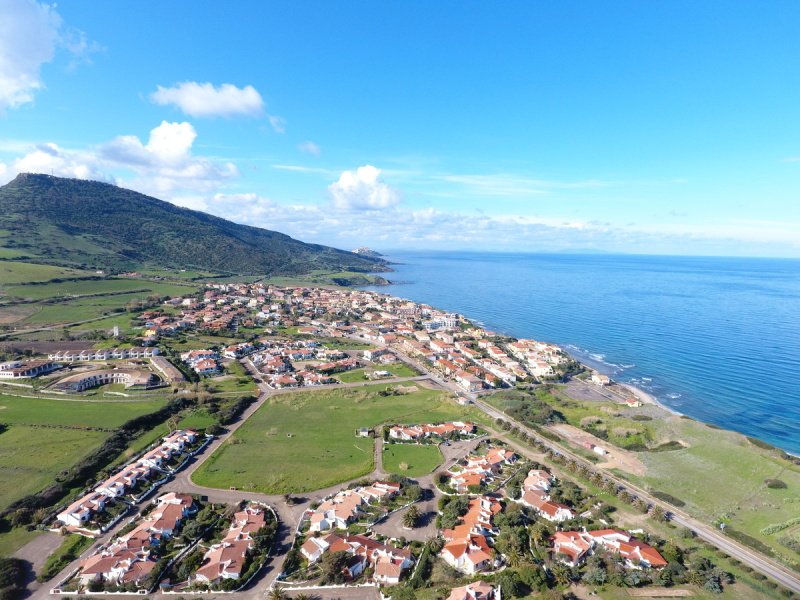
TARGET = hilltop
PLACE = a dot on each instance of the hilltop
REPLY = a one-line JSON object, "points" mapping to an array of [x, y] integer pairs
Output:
{"points": [[90, 224]]}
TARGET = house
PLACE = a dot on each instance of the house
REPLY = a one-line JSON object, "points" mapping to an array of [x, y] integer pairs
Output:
{"points": [[227, 559], [600, 379], [28, 369], [636, 553], [570, 547], [478, 590], [387, 561], [80, 511], [467, 544]]}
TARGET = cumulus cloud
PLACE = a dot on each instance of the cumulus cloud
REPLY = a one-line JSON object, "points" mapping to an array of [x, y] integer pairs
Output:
{"points": [[363, 189], [206, 100], [164, 166], [310, 147], [54, 160], [29, 35]]}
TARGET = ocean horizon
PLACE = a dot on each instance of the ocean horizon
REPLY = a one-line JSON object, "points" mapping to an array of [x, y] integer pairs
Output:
{"points": [[714, 338]]}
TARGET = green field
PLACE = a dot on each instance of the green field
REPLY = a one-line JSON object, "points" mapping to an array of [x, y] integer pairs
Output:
{"points": [[12, 272], [106, 414], [47, 436], [419, 460], [95, 286], [305, 441], [30, 457], [720, 477], [397, 369]]}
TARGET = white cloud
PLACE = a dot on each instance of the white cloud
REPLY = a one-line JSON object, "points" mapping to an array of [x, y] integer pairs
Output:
{"points": [[29, 35], [163, 167], [54, 160], [310, 147], [363, 189], [206, 100], [278, 123]]}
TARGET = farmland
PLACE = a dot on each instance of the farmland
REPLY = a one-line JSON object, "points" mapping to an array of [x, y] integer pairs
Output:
{"points": [[305, 441], [13, 272]]}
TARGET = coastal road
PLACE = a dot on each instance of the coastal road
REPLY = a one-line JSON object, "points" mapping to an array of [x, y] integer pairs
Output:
{"points": [[783, 575], [756, 560]]}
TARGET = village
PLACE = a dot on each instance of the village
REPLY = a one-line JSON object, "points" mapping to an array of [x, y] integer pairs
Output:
{"points": [[493, 522]]}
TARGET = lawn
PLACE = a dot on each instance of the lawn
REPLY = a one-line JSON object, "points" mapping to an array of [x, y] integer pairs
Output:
{"points": [[418, 460], [305, 441], [397, 369]]}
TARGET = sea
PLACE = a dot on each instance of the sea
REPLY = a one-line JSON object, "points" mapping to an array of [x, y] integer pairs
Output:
{"points": [[716, 339]]}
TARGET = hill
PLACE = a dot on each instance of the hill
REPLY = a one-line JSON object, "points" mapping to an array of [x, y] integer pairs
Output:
{"points": [[89, 224]]}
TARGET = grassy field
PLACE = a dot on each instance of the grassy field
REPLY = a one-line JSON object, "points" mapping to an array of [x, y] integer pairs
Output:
{"points": [[397, 369], [106, 414], [12, 272], [418, 460], [99, 286], [719, 475], [30, 457], [46, 436], [305, 441]]}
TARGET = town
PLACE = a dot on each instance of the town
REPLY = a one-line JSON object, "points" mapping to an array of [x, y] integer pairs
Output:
{"points": [[452, 500]]}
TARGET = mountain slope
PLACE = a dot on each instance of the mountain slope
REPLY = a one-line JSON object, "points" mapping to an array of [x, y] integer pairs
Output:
{"points": [[94, 224]]}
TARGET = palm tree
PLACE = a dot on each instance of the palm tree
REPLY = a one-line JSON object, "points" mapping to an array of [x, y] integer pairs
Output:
{"points": [[411, 518], [277, 593], [514, 556]]}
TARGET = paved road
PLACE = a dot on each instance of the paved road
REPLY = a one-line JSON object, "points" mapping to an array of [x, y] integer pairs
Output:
{"points": [[290, 514], [754, 559]]}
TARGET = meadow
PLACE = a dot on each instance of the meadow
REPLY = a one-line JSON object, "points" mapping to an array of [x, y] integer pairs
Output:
{"points": [[304, 441], [417, 460], [13, 272], [397, 369], [94, 286], [721, 476]]}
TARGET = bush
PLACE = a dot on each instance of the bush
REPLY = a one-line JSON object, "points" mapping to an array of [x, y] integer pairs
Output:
{"points": [[775, 484], [669, 498]]}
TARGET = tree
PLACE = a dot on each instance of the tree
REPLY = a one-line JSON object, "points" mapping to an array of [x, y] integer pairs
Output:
{"points": [[411, 517], [277, 593], [657, 514], [333, 565]]}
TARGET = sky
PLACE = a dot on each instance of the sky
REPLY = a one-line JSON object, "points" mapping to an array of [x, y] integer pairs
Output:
{"points": [[538, 126]]}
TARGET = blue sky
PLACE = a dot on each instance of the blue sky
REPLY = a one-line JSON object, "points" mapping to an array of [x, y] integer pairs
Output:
{"points": [[645, 127]]}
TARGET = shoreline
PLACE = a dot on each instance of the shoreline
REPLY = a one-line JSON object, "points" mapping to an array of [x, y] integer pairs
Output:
{"points": [[644, 396]]}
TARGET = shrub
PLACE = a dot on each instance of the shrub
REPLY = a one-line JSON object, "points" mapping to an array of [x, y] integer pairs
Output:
{"points": [[775, 484], [669, 498]]}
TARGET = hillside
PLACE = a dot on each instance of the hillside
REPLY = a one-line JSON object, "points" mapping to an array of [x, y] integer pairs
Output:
{"points": [[90, 224]]}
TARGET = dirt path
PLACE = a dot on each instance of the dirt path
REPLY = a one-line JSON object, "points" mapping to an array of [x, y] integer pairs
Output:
{"points": [[616, 458]]}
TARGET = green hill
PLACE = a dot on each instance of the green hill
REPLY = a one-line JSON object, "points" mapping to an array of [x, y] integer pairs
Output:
{"points": [[89, 224]]}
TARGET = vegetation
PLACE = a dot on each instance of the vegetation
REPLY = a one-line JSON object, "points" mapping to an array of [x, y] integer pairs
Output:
{"points": [[91, 224], [417, 460], [70, 549], [304, 441]]}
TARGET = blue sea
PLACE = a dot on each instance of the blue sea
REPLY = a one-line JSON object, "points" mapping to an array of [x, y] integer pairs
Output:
{"points": [[717, 339]]}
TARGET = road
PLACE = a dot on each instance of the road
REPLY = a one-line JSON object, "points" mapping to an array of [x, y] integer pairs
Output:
{"points": [[754, 559], [757, 561], [290, 514]]}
